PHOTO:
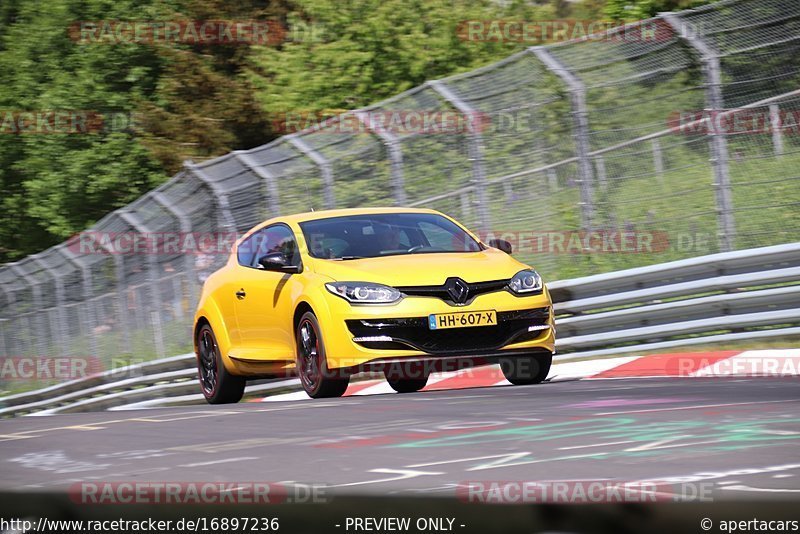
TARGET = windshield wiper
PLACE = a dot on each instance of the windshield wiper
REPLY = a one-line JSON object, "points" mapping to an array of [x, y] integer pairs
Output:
{"points": [[348, 258]]}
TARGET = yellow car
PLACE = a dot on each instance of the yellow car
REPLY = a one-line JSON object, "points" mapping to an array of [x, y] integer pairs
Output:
{"points": [[333, 293]]}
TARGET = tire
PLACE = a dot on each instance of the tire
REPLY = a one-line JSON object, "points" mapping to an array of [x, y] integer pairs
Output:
{"points": [[217, 384], [526, 369], [407, 385], [312, 366]]}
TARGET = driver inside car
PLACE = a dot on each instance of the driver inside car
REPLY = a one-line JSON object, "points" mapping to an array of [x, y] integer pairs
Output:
{"points": [[388, 238]]}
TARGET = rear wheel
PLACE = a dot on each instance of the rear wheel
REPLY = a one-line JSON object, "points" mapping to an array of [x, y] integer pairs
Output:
{"points": [[217, 384], [312, 366], [526, 369]]}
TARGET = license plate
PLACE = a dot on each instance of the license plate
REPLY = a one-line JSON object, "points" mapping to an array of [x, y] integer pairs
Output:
{"points": [[440, 321]]}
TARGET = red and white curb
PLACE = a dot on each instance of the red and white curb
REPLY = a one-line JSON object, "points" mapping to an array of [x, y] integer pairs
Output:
{"points": [[681, 364]]}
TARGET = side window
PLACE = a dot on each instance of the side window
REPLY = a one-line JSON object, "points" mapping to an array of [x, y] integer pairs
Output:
{"points": [[277, 238], [247, 250]]}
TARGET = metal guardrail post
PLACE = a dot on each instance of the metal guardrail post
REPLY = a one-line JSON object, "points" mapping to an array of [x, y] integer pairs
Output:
{"points": [[90, 318], [219, 195], [155, 291], [321, 162], [60, 333], [719, 144], [475, 150], [392, 145], [270, 181], [37, 303], [580, 118]]}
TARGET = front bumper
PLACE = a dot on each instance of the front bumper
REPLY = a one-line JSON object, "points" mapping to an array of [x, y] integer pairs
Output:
{"points": [[358, 335]]}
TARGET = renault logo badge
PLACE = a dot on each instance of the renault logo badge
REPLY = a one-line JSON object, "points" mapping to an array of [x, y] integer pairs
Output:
{"points": [[457, 289]]}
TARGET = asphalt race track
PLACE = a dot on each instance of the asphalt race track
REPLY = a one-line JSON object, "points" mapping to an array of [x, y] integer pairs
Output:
{"points": [[741, 434]]}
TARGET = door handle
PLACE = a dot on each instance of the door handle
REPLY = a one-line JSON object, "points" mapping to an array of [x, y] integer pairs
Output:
{"points": [[241, 294]]}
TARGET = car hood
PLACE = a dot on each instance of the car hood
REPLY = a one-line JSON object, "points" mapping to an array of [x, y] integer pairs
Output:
{"points": [[422, 269]]}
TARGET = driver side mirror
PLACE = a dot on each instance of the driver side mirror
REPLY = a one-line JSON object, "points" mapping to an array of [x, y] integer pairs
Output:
{"points": [[501, 244], [278, 262]]}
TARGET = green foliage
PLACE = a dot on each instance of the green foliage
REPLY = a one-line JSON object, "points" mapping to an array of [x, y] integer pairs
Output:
{"points": [[180, 101], [159, 104], [56, 184], [363, 51]]}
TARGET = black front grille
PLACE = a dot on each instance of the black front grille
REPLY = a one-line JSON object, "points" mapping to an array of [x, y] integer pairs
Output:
{"points": [[441, 292], [413, 332]]}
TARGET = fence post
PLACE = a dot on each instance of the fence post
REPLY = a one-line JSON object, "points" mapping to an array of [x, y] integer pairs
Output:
{"points": [[269, 180], [777, 128], [600, 167], [3, 344], [475, 151], [60, 333], [658, 160], [580, 120], [321, 162], [392, 145], [185, 224], [155, 291], [90, 318], [5, 337], [719, 144], [37, 304], [121, 297], [466, 206], [221, 198]]}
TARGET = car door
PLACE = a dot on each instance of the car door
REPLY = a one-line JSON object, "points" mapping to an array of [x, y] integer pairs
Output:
{"points": [[263, 298]]}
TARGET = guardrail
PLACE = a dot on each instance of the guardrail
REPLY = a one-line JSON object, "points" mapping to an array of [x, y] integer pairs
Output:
{"points": [[722, 297]]}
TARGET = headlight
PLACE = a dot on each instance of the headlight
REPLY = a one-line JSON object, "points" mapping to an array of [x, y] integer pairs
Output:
{"points": [[524, 282], [364, 292]]}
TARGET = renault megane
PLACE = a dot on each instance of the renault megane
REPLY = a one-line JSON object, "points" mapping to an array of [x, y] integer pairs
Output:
{"points": [[333, 293]]}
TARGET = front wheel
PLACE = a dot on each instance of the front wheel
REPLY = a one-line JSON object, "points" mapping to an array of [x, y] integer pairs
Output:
{"points": [[218, 385], [526, 369], [312, 366]]}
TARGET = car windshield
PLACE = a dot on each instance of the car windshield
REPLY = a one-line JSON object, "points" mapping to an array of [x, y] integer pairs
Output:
{"points": [[376, 235]]}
